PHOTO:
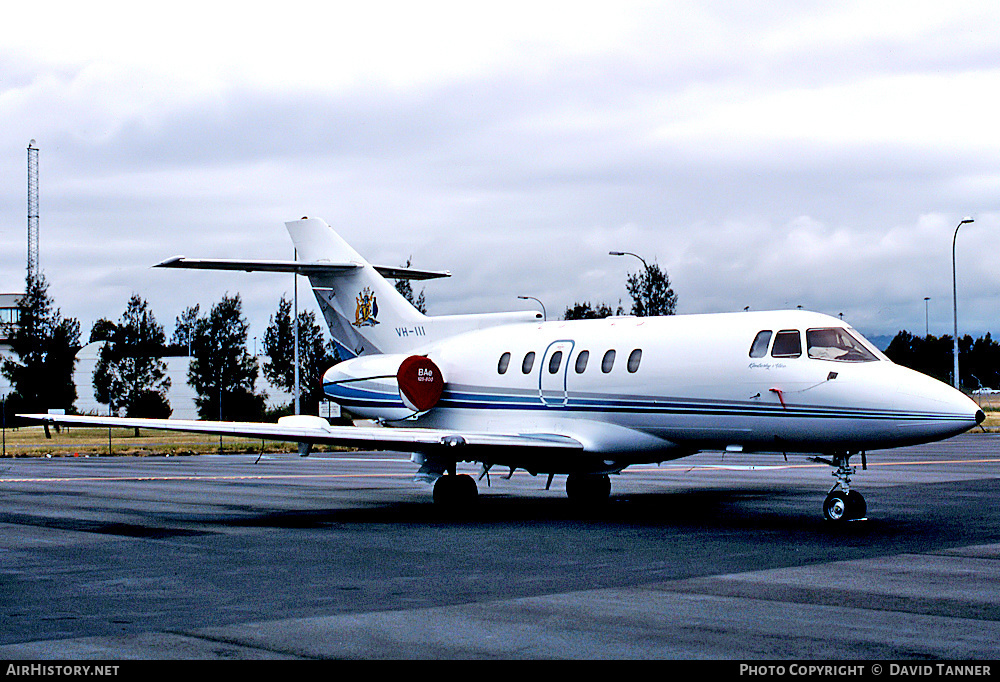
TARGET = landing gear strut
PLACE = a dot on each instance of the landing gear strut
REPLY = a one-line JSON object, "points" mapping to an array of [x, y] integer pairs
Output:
{"points": [[842, 503]]}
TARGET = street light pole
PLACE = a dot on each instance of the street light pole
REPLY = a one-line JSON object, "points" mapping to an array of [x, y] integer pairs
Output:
{"points": [[627, 253], [954, 298], [295, 338], [648, 276], [532, 298], [927, 319]]}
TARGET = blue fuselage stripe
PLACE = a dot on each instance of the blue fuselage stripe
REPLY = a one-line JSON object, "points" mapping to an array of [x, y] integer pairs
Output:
{"points": [[367, 398]]}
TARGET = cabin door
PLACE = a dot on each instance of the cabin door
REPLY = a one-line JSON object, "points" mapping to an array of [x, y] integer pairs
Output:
{"points": [[552, 373]]}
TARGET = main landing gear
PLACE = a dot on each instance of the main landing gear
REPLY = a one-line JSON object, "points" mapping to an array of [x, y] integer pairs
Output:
{"points": [[459, 491], [455, 491], [842, 503], [588, 489]]}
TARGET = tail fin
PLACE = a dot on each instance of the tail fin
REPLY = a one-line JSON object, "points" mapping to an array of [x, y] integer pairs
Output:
{"points": [[364, 311], [365, 314]]}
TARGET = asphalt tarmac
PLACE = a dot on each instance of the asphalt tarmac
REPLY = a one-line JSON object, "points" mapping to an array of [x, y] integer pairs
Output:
{"points": [[709, 557]]}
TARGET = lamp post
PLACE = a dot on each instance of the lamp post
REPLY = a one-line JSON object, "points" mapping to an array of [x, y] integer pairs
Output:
{"points": [[927, 319], [954, 297], [627, 253], [642, 310], [532, 298], [295, 338]]}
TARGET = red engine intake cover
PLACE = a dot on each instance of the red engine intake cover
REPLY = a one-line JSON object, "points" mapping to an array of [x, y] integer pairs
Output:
{"points": [[420, 383]]}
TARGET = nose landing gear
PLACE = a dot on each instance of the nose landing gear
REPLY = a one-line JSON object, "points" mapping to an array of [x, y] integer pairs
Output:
{"points": [[842, 503], [841, 506]]}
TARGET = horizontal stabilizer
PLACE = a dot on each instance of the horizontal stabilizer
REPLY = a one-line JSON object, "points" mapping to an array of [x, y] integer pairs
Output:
{"points": [[300, 267]]}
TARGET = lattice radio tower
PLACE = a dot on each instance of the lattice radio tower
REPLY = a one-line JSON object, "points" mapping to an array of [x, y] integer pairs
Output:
{"points": [[32, 209]]}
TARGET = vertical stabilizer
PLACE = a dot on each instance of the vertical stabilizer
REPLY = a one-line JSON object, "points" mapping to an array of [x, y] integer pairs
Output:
{"points": [[364, 311]]}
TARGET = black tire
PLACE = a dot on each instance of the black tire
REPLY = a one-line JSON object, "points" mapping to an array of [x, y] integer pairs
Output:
{"points": [[588, 489], [857, 507], [840, 506], [455, 492]]}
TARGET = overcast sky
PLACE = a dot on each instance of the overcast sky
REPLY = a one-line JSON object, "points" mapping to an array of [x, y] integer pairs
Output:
{"points": [[766, 154]]}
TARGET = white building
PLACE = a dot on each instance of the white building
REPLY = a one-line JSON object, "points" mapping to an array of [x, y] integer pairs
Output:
{"points": [[9, 318], [180, 396]]}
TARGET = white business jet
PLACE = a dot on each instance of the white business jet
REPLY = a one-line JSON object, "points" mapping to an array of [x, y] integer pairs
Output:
{"points": [[587, 398]]}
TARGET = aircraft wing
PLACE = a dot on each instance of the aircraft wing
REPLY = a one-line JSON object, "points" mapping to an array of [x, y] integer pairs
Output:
{"points": [[300, 267], [316, 430]]}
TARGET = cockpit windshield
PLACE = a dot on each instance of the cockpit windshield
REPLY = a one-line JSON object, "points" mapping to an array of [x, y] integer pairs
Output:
{"points": [[838, 344]]}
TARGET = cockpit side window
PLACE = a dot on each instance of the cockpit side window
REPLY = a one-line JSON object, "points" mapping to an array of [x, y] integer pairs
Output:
{"points": [[837, 344], [787, 344], [759, 347]]}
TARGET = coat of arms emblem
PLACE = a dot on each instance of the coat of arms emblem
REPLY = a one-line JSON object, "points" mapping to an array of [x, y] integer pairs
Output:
{"points": [[367, 311]]}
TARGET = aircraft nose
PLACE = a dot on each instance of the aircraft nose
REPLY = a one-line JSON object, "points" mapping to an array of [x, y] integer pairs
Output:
{"points": [[980, 417]]}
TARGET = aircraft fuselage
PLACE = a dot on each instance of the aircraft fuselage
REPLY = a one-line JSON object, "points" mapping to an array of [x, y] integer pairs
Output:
{"points": [[652, 389]]}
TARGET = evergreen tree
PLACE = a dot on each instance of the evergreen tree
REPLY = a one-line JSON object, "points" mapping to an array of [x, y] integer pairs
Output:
{"points": [[404, 287], [983, 363], [45, 345], [651, 292], [222, 372], [584, 311], [130, 374], [184, 326], [102, 330], [315, 355], [978, 360]]}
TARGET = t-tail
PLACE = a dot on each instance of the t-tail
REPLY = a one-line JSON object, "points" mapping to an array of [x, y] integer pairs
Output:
{"points": [[364, 311]]}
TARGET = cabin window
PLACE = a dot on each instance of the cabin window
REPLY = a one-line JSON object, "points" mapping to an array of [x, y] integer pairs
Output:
{"points": [[581, 361], [503, 364], [529, 361], [759, 347], [787, 344], [836, 344], [608, 362], [633, 360], [554, 361]]}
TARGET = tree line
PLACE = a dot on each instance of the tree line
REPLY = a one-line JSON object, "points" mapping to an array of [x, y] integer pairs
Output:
{"points": [[130, 373], [978, 359], [651, 295]]}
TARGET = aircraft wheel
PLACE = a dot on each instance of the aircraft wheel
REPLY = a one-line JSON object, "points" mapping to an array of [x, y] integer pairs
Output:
{"points": [[588, 488], [835, 506], [456, 491], [841, 506], [858, 508]]}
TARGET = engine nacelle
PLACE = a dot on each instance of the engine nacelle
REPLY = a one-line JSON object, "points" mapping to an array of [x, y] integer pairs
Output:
{"points": [[420, 382], [387, 387]]}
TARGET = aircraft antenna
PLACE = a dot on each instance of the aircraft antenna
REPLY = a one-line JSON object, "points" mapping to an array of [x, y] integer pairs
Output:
{"points": [[32, 209]]}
